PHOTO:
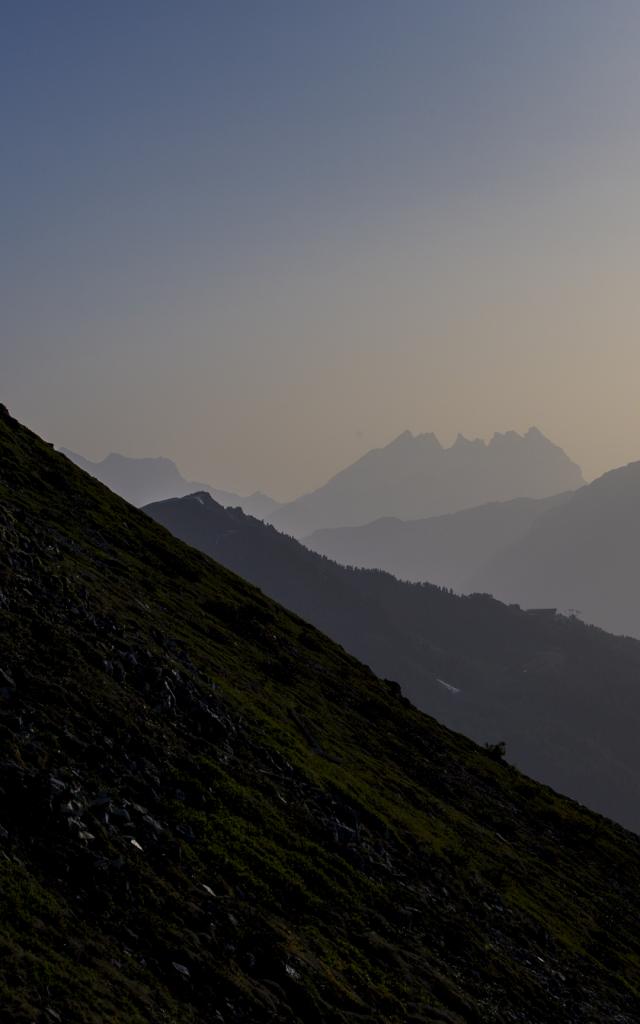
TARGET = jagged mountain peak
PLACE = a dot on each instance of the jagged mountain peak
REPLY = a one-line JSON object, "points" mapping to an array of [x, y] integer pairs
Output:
{"points": [[505, 437], [429, 440], [415, 477], [462, 442], [408, 441], [404, 438]]}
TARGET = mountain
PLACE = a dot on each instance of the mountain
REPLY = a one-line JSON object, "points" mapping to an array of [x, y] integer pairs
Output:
{"points": [[582, 555], [210, 812], [563, 696], [416, 478], [141, 481], [448, 550]]}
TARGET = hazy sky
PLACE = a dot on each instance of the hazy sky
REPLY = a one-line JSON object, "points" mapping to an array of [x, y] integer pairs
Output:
{"points": [[263, 236]]}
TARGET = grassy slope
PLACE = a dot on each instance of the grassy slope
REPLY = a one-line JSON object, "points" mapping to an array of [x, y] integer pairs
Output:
{"points": [[313, 848]]}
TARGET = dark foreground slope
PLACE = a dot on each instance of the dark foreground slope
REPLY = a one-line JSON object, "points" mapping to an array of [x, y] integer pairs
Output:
{"points": [[211, 813], [564, 697]]}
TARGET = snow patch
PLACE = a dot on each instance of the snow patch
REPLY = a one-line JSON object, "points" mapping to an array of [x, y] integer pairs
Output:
{"points": [[448, 686]]}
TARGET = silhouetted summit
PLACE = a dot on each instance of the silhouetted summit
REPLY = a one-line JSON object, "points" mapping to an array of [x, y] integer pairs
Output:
{"points": [[415, 478], [582, 555], [141, 481]]}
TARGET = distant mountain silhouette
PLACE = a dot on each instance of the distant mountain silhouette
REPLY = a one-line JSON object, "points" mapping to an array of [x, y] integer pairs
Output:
{"points": [[415, 478], [141, 481], [564, 696], [448, 550], [584, 554]]}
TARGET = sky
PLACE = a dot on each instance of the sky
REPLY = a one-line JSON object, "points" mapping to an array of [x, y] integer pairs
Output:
{"points": [[261, 237]]}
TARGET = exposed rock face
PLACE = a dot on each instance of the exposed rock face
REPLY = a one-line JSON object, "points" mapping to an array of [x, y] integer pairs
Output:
{"points": [[209, 812], [415, 477]]}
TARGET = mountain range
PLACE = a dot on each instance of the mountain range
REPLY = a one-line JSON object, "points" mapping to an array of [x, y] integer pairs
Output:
{"points": [[563, 696], [582, 554], [573, 550], [576, 551], [449, 550], [416, 478], [211, 812], [141, 481]]}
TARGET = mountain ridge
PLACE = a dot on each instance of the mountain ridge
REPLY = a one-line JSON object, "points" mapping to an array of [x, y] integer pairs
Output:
{"points": [[448, 550], [143, 480], [581, 555], [415, 477]]}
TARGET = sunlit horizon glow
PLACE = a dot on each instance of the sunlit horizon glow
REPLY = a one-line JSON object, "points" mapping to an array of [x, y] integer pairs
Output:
{"points": [[263, 239]]}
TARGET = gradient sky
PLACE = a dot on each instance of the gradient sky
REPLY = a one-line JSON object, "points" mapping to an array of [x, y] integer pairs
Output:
{"points": [[262, 237]]}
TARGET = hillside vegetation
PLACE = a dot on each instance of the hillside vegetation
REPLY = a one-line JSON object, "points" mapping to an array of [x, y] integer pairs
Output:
{"points": [[210, 812]]}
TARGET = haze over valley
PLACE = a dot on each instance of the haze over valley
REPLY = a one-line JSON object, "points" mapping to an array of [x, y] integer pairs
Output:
{"points": [[541, 539]]}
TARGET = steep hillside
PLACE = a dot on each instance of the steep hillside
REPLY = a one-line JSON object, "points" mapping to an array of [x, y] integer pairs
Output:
{"points": [[141, 481], [565, 698], [446, 550], [583, 555], [212, 813], [415, 478]]}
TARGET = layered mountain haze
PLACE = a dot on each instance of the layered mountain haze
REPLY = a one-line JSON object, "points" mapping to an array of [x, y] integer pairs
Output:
{"points": [[563, 696], [584, 555], [448, 550], [210, 812], [141, 481], [415, 478]]}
